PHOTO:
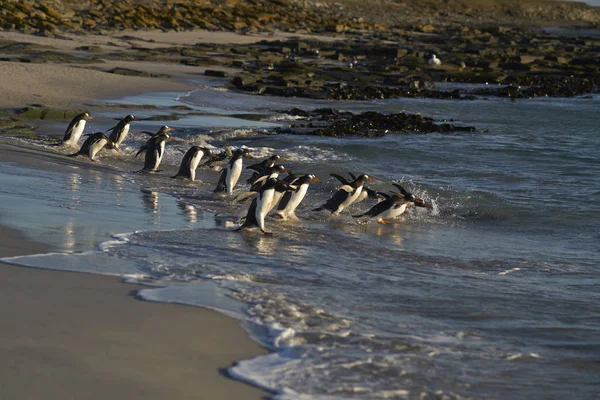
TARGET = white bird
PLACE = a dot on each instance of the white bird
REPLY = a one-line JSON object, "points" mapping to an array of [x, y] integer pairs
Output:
{"points": [[434, 60]]}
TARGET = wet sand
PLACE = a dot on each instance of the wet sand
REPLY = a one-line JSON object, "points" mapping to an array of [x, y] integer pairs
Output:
{"points": [[74, 335]]}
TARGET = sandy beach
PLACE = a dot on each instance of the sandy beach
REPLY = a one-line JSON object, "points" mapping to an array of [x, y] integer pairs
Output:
{"points": [[74, 335]]}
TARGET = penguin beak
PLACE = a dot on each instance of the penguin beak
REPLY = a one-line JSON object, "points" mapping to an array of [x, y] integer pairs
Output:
{"points": [[287, 171], [371, 179], [281, 159], [317, 179], [89, 117], [421, 203]]}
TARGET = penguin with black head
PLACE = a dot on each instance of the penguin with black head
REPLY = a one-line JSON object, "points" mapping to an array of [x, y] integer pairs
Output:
{"points": [[75, 129]]}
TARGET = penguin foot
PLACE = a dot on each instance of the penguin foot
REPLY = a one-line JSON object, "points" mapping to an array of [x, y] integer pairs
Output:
{"points": [[383, 222], [266, 232]]}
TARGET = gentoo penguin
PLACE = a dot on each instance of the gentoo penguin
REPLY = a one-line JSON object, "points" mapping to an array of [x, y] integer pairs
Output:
{"points": [[393, 206], [231, 174], [75, 129], [345, 196], [366, 192], [260, 167], [260, 207], [119, 132], [268, 173], [217, 158], [155, 149], [292, 198], [92, 145], [164, 130], [190, 162]]}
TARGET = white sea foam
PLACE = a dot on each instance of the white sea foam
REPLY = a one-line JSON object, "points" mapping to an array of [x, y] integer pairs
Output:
{"points": [[508, 271], [283, 118], [120, 239]]}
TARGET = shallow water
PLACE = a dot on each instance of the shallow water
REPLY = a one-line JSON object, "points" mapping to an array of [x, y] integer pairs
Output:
{"points": [[492, 294]]}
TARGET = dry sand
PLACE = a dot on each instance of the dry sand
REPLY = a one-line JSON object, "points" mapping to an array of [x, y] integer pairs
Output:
{"points": [[78, 336], [56, 85]]}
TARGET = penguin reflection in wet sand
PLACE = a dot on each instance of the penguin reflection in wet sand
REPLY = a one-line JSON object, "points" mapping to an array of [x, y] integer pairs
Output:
{"points": [[231, 174], [292, 198], [260, 206], [345, 196], [190, 162], [393, 206], [119, 132], [92, 145], [155, 149], [75, 129]]}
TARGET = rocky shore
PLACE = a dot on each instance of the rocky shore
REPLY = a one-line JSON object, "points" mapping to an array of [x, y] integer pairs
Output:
{"points": [[461, 52]]}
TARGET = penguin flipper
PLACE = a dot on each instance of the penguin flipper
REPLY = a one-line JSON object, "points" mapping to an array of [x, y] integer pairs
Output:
{"points": [[338, 198], [285, 199], [68, 134], [401, 189], [376, 209], [141, 150], [221, 186], [341, 179], [250, 220]]}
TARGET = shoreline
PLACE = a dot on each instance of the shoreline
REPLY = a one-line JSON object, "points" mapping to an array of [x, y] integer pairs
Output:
{"points": [[65, 319], [78, 335]]}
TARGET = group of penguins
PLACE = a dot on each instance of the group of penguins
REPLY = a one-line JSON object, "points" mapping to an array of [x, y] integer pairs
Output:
{"points": [[268, 190]]}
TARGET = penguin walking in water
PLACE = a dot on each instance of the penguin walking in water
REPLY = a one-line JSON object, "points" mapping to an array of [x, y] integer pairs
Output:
{"points": [[231, 174], [269, 173], [292, 198], [155, 150], [217, 158], [92, 145], [119, 132], [366, 192], [260, 168], [190, 162], [259, 208], [345, 196], [393, 206], [75, 129]]}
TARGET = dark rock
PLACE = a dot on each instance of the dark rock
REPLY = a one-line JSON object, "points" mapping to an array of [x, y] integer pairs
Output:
{"points": [[335, 123], [215, 73]]}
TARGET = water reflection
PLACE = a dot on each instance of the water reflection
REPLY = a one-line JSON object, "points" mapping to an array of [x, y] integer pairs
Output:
{"points": [[189, 211], [150, 199], [68, 230]]}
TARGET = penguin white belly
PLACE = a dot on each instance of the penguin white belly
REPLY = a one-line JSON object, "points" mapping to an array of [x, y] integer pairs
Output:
{"points": [[160, 154], [96, 147], [76, 133], [351, 199], [262, 207], [122, 136], [295, 200], [393, 212], [233, 175], [194, 164], [276, 198]]}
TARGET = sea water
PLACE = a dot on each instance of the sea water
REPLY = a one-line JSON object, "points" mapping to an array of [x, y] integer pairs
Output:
{"points": [[494, 293]]}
